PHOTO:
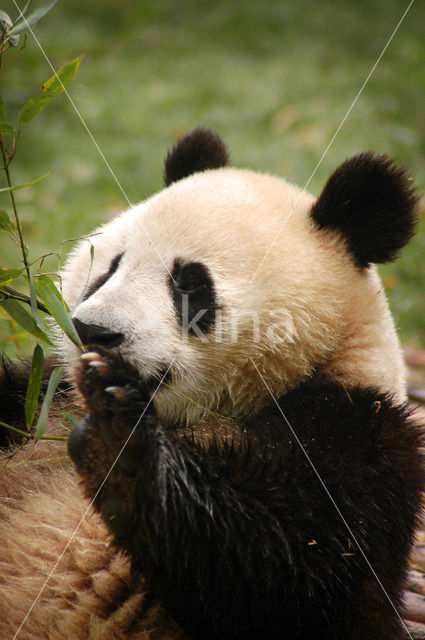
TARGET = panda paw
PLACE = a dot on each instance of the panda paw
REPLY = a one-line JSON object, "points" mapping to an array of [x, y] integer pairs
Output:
{"points": [[108, 385], [106, 445]]}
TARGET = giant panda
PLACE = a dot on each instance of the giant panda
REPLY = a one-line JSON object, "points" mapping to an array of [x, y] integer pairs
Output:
{"points": [[244, 464]]}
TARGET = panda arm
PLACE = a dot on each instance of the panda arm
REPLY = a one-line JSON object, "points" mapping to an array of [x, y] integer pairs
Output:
{"points": [[178, 510], [244, 537]]}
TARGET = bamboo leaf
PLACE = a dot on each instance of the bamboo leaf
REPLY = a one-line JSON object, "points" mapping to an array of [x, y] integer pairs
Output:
{"points": [[33, 303], [57, 307], [6, 21], [26, 184], [7, 129], [7, 275], [23, 318], [52, 88], [21, 297], [6, 223], [14, 336], [54, 380], [25, 9], [83, 292], [34, 385], [32, 19], [73, 420]]}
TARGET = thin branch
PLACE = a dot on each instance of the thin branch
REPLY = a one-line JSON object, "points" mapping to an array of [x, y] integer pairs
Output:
{"points": [[13, 294], [12, 198], [30, 436]]}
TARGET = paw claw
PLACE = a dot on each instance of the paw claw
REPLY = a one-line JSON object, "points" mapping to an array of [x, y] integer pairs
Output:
{"points": [[118, 392], [100, 365], [91, 356]]}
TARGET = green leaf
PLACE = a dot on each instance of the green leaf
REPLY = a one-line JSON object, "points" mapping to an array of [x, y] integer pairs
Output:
{"points": [[83, 292], [33, 303], [23, 318], [7, 129], [54, 380], [52, 88], [57, 307], [2, 110], [7, 275], [26, 184], [18, 295], [73, 420], [34, 385], [25, 9], [32, 19], [6, 223], [6, 21]]}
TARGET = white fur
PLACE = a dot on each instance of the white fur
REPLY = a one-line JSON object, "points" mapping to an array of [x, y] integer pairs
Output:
{"points": [[333, 317]]}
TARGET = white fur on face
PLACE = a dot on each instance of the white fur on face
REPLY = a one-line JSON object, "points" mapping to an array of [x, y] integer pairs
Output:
{"points": [[308, 308]]}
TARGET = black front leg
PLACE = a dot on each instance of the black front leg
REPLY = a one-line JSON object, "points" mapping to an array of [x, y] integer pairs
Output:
{"points": [[211, 551], [241, 540], [118, 410]]}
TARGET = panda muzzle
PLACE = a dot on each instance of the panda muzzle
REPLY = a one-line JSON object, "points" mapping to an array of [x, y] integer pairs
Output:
{"points": [[94, 334]]}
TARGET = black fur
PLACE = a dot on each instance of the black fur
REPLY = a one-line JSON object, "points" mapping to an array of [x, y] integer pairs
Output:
{"points": [[199, 150], [194, 297], [104, 277], [371, 202], [13, 388], [243, 541], [97, 334]]}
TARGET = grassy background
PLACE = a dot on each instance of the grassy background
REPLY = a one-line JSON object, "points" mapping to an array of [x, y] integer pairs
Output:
{"points": [[274, 77]]}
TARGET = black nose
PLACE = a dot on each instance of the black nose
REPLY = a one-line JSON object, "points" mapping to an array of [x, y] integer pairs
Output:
{"points": [[95, 334]]}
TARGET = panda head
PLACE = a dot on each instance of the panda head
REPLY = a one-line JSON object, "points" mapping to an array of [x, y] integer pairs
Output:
{"points": [[227, 273]]}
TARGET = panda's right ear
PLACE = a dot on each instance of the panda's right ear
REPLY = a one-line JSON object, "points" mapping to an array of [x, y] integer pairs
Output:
{"points": [[199, 150], [371, 203]]}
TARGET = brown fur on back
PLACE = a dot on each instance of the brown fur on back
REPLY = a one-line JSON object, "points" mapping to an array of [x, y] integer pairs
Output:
{"points": [[91, 594]]}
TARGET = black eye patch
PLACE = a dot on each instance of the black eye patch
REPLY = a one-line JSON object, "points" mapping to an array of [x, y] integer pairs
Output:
{"points": [[194, 296], [104, 277]]}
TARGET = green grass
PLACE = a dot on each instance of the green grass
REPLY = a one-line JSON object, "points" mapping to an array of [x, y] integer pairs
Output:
{"points": [[275, 78]]}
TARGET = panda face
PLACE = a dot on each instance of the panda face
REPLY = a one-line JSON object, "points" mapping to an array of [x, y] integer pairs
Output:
{"points": [[226, 271], [172, 285]]}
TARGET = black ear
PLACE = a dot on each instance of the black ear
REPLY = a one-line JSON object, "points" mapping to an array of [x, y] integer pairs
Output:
{"points": [[199, 150], [371, 202]]}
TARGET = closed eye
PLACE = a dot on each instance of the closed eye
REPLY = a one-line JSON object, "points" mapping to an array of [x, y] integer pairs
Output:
{"points": [[115, 263], [100, 280]]}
